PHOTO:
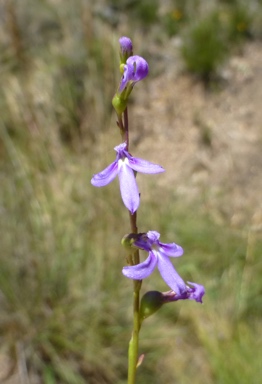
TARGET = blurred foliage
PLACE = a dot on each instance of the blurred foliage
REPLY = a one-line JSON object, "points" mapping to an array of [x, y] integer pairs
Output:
{"points": [[65, 309], [239, 24], [179, 15], [146, 11], [204, 47], [209, 40], [173, 21]]}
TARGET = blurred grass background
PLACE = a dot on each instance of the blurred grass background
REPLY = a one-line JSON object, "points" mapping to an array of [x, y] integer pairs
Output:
{"points": [[65, 309]]}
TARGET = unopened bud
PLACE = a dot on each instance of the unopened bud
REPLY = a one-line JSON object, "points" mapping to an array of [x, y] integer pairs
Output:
{"points": [[126, 49], [119, 103], [151, 302]]}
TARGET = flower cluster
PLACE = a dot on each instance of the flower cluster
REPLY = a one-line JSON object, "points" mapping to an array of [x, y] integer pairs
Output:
{"points": [[125, 166], [133, 69]]}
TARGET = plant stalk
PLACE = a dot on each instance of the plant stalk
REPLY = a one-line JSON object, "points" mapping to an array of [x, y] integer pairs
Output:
{"points": [[134, 341]]}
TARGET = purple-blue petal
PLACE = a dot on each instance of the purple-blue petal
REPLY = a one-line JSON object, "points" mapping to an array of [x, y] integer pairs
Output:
{"points": [[170, 275], [106, 176], [171, 250], [120, 149], [153, 236], [125, 78], [139, 67], [144, 166], [135, 69], [128, 187], [142, 270], [197, 292]]}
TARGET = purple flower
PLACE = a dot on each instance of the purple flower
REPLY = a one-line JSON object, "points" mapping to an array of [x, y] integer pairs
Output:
{"points": [[159, 254], [152, 301], [196, 292], [135, 69], [124, 166]]}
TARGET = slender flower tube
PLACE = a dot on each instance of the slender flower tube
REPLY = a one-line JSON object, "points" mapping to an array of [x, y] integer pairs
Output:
{"points": [[124, 166], [195, 292], [159, 254]]}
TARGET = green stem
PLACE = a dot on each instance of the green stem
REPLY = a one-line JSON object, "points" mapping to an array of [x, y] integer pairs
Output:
{"points": [[126, 128], [134, 342]]}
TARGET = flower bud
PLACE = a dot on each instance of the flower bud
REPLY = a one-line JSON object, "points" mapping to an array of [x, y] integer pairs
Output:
{"points": [[119, 104], [151, 302], [126, 49]]}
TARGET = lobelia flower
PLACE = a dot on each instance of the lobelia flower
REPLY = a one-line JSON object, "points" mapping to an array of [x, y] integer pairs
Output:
{"points": [[159, 254], [124, 166], [135, 69]]}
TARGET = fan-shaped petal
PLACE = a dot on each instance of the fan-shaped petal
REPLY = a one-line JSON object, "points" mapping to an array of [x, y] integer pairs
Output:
{"points": [[171, 250], [142, 270], [144, 166], [106, 176]]}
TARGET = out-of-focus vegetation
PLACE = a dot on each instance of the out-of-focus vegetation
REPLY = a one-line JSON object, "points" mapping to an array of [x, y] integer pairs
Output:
{"points": [[204, 47], [65, 307], [210, 39]]}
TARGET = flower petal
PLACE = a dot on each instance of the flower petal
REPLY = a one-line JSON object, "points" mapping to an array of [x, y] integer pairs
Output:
{"points": [[135, 69], [153, 236], [171, 250], [170, 275], [128, 186], [197, 292], [120, 149], [125, 78], [142, 270], [106, 176], [138, 68], [144, 166]]}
